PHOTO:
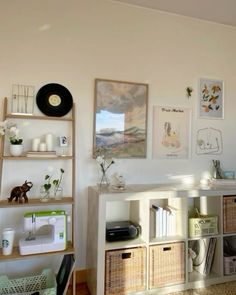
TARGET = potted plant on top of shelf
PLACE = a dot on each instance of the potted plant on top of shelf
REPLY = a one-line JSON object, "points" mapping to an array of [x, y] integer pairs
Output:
{"points": [[58, 191], [16, 146]]}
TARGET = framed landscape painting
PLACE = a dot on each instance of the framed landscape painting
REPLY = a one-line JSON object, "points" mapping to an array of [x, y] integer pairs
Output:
{"points": [[211, 103], [120, 118]]}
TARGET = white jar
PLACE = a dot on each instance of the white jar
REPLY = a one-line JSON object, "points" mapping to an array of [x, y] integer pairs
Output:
{"points": [[49, 142], [42, 147], [35, 144]]}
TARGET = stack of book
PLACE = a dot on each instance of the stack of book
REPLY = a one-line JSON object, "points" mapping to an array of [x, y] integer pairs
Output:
{"points": [[41, 154], [204, 259], [162, 221]]}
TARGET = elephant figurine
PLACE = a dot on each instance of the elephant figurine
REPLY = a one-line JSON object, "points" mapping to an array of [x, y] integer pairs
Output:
{"points": [[19, 192]]}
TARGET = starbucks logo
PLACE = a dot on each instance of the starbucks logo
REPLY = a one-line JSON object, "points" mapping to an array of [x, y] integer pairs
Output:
{"points": [[5, 243]]}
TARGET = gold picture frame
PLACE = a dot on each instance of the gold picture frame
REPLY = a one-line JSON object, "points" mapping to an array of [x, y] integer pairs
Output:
{"points": [[120, 118]]}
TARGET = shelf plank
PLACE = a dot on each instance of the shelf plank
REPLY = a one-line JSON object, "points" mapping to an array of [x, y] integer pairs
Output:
{"points": [[138, 242], [37, 202], [35, 117], [37, 158], [16, 254]]}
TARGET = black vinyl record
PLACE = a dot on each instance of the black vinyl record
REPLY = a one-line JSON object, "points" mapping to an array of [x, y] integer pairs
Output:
{"points": [[54, 100]]}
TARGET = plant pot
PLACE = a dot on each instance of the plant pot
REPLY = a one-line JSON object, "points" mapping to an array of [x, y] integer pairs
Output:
{"points": [[44, 194], [58, 193], [103, 180], [16, 149]]}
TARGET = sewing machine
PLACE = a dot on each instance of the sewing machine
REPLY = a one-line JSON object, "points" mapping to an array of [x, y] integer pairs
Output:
{"points": [[47, 232]]}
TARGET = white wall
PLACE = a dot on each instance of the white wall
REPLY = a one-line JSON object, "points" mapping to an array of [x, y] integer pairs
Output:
{"points": [[88, 39]]}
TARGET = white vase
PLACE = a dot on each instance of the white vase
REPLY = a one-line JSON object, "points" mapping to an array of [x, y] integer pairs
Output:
{"points": [[16, 149]]}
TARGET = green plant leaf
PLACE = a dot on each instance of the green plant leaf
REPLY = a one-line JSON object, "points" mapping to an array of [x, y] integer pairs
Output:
{"points": [[55, 182], [47, 177], [47, 186]]}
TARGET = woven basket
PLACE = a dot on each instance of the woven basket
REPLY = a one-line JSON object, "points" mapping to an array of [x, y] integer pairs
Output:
{"points": [[230, 214], [125, 271], [230, 265], [167, 265], [45, 283]]}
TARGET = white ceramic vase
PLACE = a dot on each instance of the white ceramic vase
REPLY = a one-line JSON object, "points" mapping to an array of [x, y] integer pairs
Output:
{"points": [[16, 149]]}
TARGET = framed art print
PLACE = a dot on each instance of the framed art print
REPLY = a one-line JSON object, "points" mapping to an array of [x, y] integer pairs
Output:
{"points": [[171, 132], [120, 118], [210, 99]]}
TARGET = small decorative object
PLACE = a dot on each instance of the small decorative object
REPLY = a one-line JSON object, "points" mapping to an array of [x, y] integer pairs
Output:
{"points": [[211, 99], [58, 191], [16, 147], [229, 174], [189, 91], [42, 147], [45, 189], [118, 181], [35, 144], [217, 172], [49, 142], [19, 192], [104, 162], [54, 100], [23, 99], [63, 142], [209, 141]]}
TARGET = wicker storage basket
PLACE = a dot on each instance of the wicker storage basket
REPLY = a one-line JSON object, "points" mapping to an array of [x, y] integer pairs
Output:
{"points": [[230, 265], [125, 271], [230, 214], [45, 283], [167, 265], [203, 225]]}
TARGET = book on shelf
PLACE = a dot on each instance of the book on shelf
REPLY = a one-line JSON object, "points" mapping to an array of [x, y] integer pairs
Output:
{"points": [[158, 221], [41, 154], [163, 221], [210, 256]]}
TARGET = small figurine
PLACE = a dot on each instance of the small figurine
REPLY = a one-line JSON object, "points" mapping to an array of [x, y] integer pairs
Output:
{"points": [[118, 181], [217, 172], [19, 192]]}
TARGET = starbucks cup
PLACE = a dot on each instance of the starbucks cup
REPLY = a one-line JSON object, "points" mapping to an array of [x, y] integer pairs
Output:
{"points": [[7, 241]]}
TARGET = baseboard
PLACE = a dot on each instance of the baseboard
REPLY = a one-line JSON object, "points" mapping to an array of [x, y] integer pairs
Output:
{"points": [[81, 276]]}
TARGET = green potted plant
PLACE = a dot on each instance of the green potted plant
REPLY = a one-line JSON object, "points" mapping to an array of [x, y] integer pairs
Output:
{"points": [[45, 189], [58, 191]]}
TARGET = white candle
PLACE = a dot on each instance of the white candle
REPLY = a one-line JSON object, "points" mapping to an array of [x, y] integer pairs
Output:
{"points": [[42, 147], [49, 142], [35, 144]]}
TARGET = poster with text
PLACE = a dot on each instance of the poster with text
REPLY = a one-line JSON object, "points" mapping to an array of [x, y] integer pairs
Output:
{"points": [[171, 132]]}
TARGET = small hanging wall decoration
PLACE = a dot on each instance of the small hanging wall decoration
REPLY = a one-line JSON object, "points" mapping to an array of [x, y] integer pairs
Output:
{"points": [[209, 141]]}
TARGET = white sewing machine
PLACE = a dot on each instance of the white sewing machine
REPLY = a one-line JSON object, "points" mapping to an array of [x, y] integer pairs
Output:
{"points": [[47, 232]]}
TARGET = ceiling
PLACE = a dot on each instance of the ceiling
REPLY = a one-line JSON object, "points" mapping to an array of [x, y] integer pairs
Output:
{"points": [[220, 11]]}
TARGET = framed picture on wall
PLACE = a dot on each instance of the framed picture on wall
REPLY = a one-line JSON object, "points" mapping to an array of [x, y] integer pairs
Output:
{"points": [[210, 99], [171, 132], [120, 118]]}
